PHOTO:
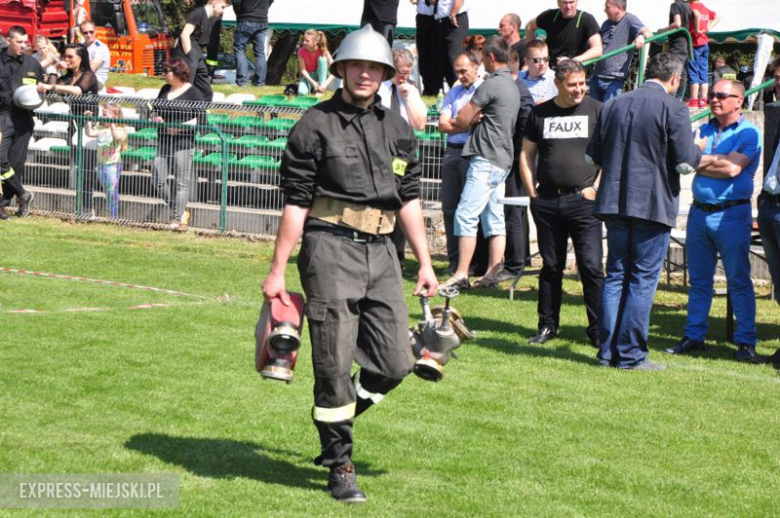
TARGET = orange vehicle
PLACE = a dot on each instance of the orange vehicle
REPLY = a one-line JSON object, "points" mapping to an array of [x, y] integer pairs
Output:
{"points": [[135, 31]]}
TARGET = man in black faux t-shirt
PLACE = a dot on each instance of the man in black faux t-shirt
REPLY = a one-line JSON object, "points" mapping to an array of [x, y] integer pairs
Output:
{"points": [[562, 193]]}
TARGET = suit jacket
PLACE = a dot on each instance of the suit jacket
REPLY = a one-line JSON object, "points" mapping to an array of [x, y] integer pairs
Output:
{"points": [[642, 142]]}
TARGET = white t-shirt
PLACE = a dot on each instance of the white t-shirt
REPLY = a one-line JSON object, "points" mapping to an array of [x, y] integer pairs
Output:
{"points": [[100, 50], [445, 6]]}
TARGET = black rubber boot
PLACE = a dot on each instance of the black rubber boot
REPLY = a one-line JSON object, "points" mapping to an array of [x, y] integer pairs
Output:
{"points": [[343, 486]]}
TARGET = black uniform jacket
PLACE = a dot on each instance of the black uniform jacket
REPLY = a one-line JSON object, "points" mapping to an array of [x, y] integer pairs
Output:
{"points": [[365, 156]]}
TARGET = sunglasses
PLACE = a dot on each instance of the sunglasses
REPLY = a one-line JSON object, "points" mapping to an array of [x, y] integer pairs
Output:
{"points": [[536, 61], [87, 32], [721, 96]]}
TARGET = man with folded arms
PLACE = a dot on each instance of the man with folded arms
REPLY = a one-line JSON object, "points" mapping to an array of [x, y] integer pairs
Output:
{"points": [[721, 219]]}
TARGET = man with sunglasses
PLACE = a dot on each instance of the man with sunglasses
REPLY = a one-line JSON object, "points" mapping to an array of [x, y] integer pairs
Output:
{"points": [[720, 221], [538, 77], [99, 55]]}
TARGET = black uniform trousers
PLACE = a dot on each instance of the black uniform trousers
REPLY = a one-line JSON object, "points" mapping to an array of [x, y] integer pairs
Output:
{"points": [[557, 219], [13, 155], [428, 53], [356, 311]]}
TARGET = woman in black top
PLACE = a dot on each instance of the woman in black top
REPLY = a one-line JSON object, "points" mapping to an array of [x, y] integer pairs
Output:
{"points": [[176, 146], [79, 80]]}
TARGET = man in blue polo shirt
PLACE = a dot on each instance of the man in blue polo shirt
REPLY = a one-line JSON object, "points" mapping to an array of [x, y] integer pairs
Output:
{"points": [[455, 166], [720, 221]]}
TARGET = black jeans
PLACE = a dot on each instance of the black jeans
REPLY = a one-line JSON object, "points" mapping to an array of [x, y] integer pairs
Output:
{"points": [[556, 220], [516, 218]]}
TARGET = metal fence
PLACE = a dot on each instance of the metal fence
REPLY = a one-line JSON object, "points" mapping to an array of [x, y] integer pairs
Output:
{"points": [[221, 158]]}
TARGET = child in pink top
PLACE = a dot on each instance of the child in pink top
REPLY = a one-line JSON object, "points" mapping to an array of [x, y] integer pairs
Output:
{"points": [[702, 20], [314, 61]]}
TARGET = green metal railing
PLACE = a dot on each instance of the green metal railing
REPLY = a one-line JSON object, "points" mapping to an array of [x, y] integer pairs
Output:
{"points": [[643, 51]]}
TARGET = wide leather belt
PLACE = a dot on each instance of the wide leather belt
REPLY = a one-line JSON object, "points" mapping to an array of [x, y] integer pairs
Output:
{"points": [[715, 207], [352, 215], [315, 225]]}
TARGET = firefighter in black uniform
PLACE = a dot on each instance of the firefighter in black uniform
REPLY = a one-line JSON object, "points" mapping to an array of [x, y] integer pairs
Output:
{"points": [[17, 68], [195, 40], [348, 173]]}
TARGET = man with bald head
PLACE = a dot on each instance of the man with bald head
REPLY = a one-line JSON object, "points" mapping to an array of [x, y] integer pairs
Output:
{"points": [[509, 29]]}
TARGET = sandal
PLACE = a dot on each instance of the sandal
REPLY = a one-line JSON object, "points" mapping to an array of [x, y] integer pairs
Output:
{"points": [[459, 283], [485, 282]]}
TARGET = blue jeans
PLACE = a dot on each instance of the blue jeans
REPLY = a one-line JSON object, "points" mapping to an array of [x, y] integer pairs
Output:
{"points": [[725, 232], [250, 32], [320, 75], [603, 89], [769, 226], [698, 67], [479, 200], [636, 254]]}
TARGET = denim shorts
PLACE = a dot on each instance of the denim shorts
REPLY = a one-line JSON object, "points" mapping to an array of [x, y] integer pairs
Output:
{"points": [[479, 200], [699, 65]]}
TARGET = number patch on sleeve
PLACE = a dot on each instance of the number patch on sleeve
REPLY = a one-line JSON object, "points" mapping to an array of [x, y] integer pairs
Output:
{"points": [[399, 166]]}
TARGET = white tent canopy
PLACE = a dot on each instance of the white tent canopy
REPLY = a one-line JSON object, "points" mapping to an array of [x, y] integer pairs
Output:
{"points": [[736, 16]]}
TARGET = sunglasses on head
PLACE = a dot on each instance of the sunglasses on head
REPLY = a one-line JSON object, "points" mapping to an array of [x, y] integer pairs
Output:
{"points": [[721, 96], [536, 61]]}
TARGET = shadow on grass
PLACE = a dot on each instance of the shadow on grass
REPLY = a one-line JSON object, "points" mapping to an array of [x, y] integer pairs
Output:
{"points": [[225, 458], [555, 348]]}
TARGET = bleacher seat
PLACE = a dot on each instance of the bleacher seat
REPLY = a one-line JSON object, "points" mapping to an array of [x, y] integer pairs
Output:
{"points": [[239, 98]]}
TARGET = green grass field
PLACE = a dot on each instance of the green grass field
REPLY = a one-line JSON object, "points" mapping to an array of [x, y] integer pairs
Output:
{"points": [[513, 429]]}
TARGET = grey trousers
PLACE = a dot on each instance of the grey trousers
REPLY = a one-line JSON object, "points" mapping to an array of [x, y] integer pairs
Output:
{"points": [[178, 163], [453, 178]]}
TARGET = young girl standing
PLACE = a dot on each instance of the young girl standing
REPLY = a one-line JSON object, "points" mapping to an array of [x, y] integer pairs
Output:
{"points": [[111, 140]]}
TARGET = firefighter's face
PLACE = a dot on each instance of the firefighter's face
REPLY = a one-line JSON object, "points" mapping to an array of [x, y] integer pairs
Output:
{"points": [[17, 44]]}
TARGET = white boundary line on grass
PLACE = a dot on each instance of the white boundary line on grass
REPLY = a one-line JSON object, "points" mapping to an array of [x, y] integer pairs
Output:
{"points": [[99, 281], [731, 374], [108, 283]]}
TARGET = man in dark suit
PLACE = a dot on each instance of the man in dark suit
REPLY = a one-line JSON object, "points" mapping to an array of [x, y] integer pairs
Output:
{"points": [[643, 142], [382, 15]]}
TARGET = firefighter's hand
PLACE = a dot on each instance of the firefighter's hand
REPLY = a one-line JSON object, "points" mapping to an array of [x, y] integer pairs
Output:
{"points": [[426, 279], [273, 287]]}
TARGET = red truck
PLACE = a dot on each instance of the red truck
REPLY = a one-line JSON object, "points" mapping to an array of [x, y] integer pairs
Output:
{"points": [[134, 30]]}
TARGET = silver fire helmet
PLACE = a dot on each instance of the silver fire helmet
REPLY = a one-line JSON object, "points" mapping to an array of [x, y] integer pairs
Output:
{"points": [[366, 45], [27, 97]]}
